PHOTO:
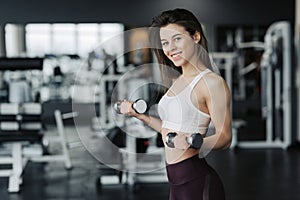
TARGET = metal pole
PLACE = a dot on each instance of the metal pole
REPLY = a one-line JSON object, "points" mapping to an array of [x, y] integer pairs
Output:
{"points": [[287, 85], [297, 49], [2, 41]]}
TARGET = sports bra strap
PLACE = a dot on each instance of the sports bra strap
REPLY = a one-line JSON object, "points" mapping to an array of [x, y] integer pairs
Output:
{"points": [[198, 77]]}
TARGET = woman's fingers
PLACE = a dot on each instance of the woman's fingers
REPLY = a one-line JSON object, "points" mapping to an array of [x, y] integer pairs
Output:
{"points": [[180, 141], [126, 107]]}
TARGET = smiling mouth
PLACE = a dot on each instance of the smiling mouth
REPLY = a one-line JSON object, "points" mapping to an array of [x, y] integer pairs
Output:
{"points": [[176, 55]]}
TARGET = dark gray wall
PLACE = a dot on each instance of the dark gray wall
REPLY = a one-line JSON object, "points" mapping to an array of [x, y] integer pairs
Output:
{"points": [[140, 12]]}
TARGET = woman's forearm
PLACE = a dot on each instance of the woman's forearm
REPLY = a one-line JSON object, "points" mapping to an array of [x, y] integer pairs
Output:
{"points": [[215, 142], [153, 122]]}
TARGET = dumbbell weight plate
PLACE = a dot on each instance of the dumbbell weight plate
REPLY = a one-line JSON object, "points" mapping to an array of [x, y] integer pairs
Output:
{"points": [[140, 106]]}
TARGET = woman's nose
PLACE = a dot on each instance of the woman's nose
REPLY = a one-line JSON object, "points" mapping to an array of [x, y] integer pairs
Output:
{"points": [[172, 46]]}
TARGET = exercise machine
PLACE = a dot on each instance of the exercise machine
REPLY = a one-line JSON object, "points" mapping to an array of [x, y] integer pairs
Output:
{"points": [[276, 88]]}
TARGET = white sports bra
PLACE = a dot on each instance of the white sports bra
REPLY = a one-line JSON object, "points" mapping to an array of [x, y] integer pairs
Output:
{"points": [[178, 113]]}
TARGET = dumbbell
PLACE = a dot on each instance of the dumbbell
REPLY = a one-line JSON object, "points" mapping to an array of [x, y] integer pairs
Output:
{"points": [[139, 106], [195, 140]]}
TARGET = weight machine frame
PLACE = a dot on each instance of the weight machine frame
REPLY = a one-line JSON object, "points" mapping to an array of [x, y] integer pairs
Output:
{"points": [[271, 109]]}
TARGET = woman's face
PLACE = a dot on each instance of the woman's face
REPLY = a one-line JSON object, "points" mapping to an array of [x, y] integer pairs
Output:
{"points": [[177, 44]]}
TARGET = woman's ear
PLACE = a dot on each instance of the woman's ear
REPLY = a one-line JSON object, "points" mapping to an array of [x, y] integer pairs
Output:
{"points": [[197, 36]]}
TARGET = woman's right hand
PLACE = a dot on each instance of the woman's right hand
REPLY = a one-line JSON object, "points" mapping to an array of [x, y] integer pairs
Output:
{"points": [[180, 141], [126, 108]]}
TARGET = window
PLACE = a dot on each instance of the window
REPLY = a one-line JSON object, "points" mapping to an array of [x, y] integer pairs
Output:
{"points": [[88, 38], [38, 39], [68, 38], [64, 39], [14, 39]]}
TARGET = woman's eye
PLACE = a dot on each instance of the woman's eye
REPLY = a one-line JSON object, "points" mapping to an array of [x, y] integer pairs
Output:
{"points": [[164, 44], [177, 38]]}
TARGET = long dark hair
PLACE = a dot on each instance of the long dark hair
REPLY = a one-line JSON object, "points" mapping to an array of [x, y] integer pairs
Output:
{"points": [[180, 17]]}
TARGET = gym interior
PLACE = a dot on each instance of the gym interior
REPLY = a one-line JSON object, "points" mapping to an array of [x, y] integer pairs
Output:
{"points": [[65, 64]]}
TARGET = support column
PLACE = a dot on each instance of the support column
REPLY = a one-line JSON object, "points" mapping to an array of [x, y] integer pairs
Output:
{"points": [[297, 49], [2, 41]]}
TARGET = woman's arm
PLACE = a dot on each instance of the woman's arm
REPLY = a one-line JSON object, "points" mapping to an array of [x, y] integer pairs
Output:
{"points": [[153, 122], [218, 103]]}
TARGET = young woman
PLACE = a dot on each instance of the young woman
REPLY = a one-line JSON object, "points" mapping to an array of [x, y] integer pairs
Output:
{"points": [[196, 98]]}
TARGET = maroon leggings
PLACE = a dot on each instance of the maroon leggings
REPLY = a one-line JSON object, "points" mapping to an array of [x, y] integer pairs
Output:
{"points": [[194, 179]]}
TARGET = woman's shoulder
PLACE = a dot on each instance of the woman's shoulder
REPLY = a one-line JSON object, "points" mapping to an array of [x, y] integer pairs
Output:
{"points": [[213, 82], [213, 78]]}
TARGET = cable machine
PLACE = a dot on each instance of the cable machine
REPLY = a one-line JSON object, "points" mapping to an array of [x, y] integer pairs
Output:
{"points": [[276, 88]]}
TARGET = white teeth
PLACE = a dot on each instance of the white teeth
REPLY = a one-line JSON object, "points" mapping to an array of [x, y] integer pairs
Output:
{"points": [[175, 55]]}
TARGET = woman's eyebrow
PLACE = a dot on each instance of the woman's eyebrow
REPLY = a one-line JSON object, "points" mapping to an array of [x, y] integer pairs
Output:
{"points": [[177, 34]]}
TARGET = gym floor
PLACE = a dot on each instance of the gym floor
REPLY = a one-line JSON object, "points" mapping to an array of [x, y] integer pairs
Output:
{"points": [[247, 174]]}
